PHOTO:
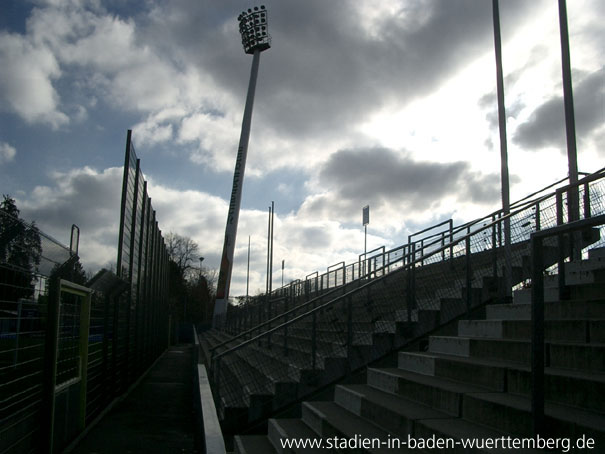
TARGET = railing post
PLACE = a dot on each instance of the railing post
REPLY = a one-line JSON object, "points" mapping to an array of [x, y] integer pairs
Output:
{"points": [[560, 247], [286, 325], [494, 249], [538, 220], [349, 328], [537, 338], [468, 273], [451, 222], [314, 341], [587, 213], [411, 290]]}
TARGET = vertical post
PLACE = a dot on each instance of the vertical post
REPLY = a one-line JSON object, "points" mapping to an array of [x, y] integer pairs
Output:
{"points": [[314, 340], [271, 265], [561, 247], [50, 362], [537, 338], [267, 296], [503, 153], [248, 272], [469, 271], [570, 122], [349, 329], [365, 247], [83, 347], [587, 212], [17, 333], [224, 280]]}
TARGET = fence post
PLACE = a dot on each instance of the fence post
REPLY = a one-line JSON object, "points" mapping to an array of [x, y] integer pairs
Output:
{"points": [[587, 213], [286, 323], [561, 249], [50, 363], [314, 341], [537, 338], [468, 273], [349, 329]]}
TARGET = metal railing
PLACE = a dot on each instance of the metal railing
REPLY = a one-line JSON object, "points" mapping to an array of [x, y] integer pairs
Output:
{"points": [[567, 232], [362, 321]]}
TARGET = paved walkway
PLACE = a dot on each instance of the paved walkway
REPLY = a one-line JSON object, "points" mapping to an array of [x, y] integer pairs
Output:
{"points": [[158, 415]]}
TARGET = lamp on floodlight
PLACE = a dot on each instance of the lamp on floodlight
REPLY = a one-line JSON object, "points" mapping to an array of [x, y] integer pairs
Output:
{"points": [[253, 27]]}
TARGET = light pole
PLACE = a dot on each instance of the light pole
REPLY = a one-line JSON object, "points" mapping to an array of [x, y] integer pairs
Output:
{"points": [[253, 28], [573, 195], [503, 153]]}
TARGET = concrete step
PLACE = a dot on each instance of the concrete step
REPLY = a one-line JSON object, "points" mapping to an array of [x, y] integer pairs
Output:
{"points": [[562, 310], [588, 357], [511, 413], [390, 411], [438, 393], [523, 296], [589, 388], [555, 330], [330, 420]]}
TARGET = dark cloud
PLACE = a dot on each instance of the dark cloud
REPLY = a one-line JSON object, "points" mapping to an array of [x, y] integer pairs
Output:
{"points": [[324, 71], [546, 126], [392, 178]]}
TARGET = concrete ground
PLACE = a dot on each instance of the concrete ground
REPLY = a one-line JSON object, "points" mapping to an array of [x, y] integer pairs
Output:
{"points": [[156, 417]]}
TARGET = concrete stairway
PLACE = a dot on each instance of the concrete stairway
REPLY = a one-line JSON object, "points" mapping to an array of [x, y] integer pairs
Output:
{"points": [[475, 384]]}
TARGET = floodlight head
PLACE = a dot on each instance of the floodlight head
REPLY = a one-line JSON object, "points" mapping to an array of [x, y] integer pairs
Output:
{"points": [[254, 28]]}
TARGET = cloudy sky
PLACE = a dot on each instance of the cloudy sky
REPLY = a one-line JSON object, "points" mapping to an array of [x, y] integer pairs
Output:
{"points": [[390, 103]]}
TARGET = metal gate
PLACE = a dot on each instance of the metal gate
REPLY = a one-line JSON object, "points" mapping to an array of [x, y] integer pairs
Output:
{"points": [[68, 331]]}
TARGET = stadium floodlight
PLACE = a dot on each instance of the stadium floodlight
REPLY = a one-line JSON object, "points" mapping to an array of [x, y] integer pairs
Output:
{"points": [[253, 27]]}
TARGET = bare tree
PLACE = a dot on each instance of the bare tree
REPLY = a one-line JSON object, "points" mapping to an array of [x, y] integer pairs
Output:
{"points": [[182, 250]]}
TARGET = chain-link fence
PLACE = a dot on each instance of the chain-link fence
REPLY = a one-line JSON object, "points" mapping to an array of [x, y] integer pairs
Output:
{"points": [[320, 341]]}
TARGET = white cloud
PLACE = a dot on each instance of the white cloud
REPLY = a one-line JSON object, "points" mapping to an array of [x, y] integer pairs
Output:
{"points": [[26, 81], [7, 152]]}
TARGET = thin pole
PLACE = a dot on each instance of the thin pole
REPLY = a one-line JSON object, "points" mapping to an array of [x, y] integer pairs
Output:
{"points": [[503, 151], [570, 128], [271, 266], [224, 279], [365, 248], [268, 254], [248, 272]]}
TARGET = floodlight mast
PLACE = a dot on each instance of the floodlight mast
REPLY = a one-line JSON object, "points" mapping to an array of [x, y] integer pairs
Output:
{"points": [[253, 27]]}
